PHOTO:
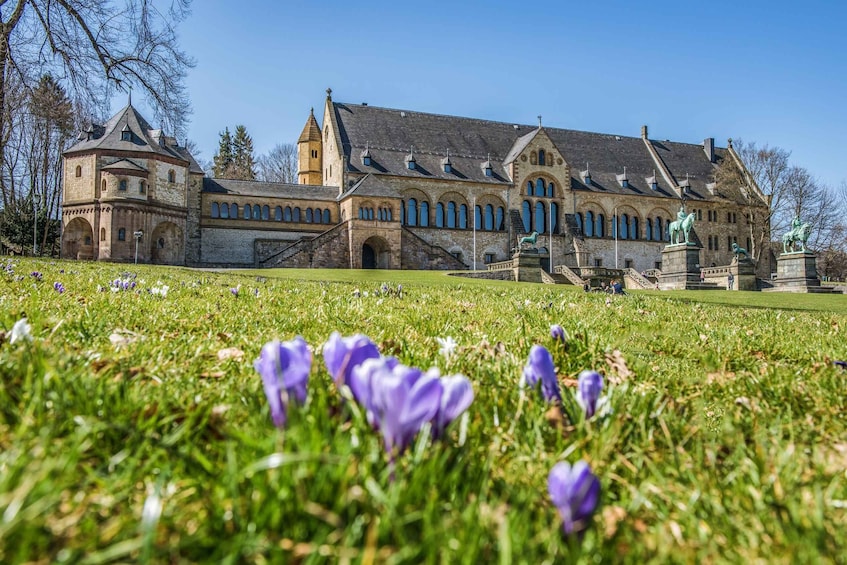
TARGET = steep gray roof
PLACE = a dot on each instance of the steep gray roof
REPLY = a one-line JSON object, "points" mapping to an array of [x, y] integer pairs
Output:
{"points": [[145, 139], [269, 189], [369, 185], [126, 165], [390, 133]]}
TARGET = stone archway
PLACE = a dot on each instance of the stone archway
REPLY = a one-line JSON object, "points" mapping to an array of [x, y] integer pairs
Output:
{"points": [[78, 240], [376, 253], [166, 245]]}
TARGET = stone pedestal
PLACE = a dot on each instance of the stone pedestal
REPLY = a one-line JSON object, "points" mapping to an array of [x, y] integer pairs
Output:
{"points": [[680, 267], [744, 274], [526, 266], [797, 272]]}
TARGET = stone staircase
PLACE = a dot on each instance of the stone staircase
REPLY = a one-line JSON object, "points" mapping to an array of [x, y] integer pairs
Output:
{"points": [[569, 275], [637, 279], [553, 278], [296, 254]]}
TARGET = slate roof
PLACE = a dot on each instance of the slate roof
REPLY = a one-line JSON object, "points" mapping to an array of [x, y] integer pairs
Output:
{"points": [[124, 165], [389, 135], [369, 185], [269, 189], [145, 139]]}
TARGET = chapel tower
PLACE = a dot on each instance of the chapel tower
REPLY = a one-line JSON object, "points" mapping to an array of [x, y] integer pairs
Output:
{"points": [[310, 153]]}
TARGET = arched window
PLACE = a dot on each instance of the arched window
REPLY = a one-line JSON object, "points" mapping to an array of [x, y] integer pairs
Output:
{"points": [[657, 229], [489, 217], [624, 223], [141, 187], [296, 214], [554, 217], [633, 228], [122, 234], [589, 224], [233, 210], [247, 210], [309, 216], [526, 216], [439, 215], [278, 213], [533, 158], [600, 225], [463, 217], [403, 212], [224, 210], [317, 216], [542, 157], [649, 230], [103, 185], [216, 212], [257, 212], [615, 229], [579, 222], [551, 190], [102, 234], [78, 171], [477, 217], [171, 176], [412, 213], [539, 187], [361, 213], [451, 214], [500, 221], [327, 218], [424, 212], [388, 214], [122, 184], [286, 214], [530, 188], [667, 230], [540, 224]]}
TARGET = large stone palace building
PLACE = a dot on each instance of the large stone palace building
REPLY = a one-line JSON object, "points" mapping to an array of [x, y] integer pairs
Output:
{"points": [[397, 189]]}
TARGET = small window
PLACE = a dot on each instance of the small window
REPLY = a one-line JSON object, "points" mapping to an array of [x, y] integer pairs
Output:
{"points": [[326, 216], [247, 212], [102, 234], [257, 212], [309, 215], [314, 153], [103, 185], [296, 214], [126, 135], [233, 211], [488, 172], [411, 165], [286, 214], [598, 262], [78, 171], [278, 213], [366, 161], [122, 184], [122, 234], [171, 176], [448, 168], [216, 212], [224, 210], [161, 243], [266, 212], [542, 157], [141, 187], [488, 258]]}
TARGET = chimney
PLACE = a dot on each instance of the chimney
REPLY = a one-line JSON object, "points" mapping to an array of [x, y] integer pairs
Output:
{"points": [[643, 132], [709, 148]]}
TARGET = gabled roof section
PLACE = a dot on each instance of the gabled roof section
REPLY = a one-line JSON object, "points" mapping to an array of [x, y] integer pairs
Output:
{"points": [[124, 165], [520, 145], [269, 189], [311, 131], [369, 185], [143, 138]]}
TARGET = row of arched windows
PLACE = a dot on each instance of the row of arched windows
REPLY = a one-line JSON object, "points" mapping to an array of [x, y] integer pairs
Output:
{"points": [[256, 212], [540, 188], [452, 215], [593, 224], [382, 214], [539, 217]]}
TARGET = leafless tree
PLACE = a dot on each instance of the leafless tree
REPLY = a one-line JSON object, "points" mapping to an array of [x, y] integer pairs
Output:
{"points": [[279, 164]]}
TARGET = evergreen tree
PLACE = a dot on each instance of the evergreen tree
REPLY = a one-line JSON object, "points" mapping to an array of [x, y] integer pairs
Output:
{"points": [[223, 159], [242, 148]]}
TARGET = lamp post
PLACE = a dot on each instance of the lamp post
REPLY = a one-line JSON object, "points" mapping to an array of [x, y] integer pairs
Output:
{"points": [[138, 234]]}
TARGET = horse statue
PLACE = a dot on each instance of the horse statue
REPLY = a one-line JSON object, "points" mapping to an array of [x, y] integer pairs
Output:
{"points": [[797, 234], [738, 251], [681, 226]]}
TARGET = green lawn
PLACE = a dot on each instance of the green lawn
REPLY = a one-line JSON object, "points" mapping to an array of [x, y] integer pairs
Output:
{"points": [[126, 434]]}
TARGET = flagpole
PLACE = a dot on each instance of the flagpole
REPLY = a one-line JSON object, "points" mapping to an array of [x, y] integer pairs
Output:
{"points": [[474, 232]]}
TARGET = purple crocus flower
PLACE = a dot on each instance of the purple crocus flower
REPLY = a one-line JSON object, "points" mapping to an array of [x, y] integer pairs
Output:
{"points": [[36, 275], [575, 492], [557, 332], [539, 369], [456, 395], [59, 287], [590, 385], [234, 290], [284, 367], [402, 400], [841, 364], [343, 354]]}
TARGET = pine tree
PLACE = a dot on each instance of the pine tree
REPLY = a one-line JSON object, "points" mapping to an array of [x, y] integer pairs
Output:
{"points": [[242, 148], [223, 159]]}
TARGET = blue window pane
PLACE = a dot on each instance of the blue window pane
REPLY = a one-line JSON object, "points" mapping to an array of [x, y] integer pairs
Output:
{"points": [[477, 217], [600, 227], [424, 214], [216, 211], [489, 217], [233, 210], [589, 224], [624, 221], [551, 190], [649, 230], [526, 216], [412, 214], [579, 221], [554, 217], [529, 188], [633, 228], [266, 212], [540, 224], [439, 215], [224, 210], [500, 222], [403, 212], [257, 212], [542, 157], [247, 211], [327, 218], [539, 187], [463, 217], [296, 214], [278, 214], [308, 215], [451, 214], [286, 214]]}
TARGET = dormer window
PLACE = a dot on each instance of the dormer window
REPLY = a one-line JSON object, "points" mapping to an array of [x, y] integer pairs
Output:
{"points": [[622, 180], [446, 164], [126, 133], [366, 156], [586, 175], [487, 167], [651, 181], [410, 159], [685, 186]]}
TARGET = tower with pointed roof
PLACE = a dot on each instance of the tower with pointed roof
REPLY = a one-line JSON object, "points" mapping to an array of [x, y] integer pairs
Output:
{"points": [[310, 153], [127, 186]]}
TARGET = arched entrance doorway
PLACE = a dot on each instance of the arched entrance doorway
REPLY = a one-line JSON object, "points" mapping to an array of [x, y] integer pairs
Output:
{"points": [[166, 245], [375, 254], [78, 240]]}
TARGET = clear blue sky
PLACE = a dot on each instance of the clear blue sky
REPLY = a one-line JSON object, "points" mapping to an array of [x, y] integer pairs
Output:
{"points": [[770, 72]]}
